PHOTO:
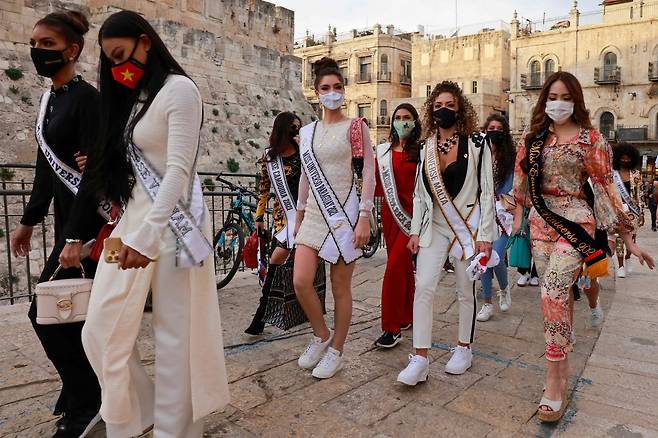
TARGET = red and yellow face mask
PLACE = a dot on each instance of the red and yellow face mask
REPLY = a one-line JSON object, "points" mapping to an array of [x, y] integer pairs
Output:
{"points": [[129, 72]]}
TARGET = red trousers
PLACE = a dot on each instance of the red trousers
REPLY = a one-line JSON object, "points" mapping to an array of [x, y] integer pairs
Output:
{"points": [[399, 284]]}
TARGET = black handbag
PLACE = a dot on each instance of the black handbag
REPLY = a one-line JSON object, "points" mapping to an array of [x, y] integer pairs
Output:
{"points": [[283, 310]]}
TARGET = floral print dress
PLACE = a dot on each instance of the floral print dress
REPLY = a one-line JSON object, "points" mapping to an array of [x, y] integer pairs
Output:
{"points": [[567, 167]]}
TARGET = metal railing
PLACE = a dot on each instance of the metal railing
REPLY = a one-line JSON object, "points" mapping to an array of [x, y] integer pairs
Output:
{"points": [[608, 74], [363, 78], [404, 79], [384, 76], [18, 276]]}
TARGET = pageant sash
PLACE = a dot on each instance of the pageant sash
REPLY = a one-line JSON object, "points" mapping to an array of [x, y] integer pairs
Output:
{"points": [[385, 162], [464, 229], [192, 245], [504, 219], [340, 219], [625, 196], [596, 262], [67, 175], [277, 175]]}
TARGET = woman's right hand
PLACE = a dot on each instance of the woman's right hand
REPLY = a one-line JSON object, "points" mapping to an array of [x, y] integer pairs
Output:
{"points": [[19, 241], [414, 243]]}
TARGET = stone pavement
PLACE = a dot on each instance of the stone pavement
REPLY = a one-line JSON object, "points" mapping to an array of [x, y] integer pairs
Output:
{"points": [[614, 371]]}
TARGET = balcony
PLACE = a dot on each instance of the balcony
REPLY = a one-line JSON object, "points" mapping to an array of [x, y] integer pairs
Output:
{"points": [[531, 81], [405, 79], [653, 71], [632, 133], [384, 76], [383, 121], [363, 78], [608, 75]]}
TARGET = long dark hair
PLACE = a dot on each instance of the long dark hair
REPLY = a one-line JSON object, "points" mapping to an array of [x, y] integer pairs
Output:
{"points": [[280, 137], [111, 173], [540, 121], [412, 146], [505, 153], [467, 119], [627, 149], [72, 25], [326, 67]]}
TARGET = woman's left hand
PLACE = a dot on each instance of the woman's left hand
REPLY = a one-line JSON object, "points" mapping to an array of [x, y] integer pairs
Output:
{"points": [[130, 258], [361, 232], [484, 247], [638, 252]]}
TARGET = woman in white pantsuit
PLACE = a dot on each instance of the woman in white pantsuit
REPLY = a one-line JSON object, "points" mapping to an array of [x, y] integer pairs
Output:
{"points": [[152, 112], [453, 215]]}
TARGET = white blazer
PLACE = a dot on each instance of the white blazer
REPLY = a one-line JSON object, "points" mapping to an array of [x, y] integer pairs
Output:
{"points": [[465, 200]]}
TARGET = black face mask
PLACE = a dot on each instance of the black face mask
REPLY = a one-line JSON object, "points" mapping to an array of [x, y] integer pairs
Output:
{"points": [[294, 132], [47, 62], [445, 117], [496, 137]]}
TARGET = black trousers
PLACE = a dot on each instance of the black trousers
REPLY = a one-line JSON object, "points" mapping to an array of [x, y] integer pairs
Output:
{"points": [[62, 343], [652, 210]]}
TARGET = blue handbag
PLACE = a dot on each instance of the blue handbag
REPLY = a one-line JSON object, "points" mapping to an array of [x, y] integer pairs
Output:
{"points": [[520, 255]]}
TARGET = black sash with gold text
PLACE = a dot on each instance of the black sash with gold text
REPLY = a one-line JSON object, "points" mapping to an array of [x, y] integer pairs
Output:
{"points": [[596, 262]]}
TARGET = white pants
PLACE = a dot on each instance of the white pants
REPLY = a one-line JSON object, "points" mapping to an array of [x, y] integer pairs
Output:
{"points": [[429, 271], [167, 405]]}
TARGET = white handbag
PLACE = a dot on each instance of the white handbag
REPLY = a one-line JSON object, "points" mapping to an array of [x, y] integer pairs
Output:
{"points": [[63, 301]]}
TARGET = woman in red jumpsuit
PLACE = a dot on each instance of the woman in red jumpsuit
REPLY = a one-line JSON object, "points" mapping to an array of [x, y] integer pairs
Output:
{"points": [[396, 173]]}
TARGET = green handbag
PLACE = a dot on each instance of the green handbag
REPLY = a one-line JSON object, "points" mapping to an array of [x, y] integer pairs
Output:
{"points": [[520, 255]]}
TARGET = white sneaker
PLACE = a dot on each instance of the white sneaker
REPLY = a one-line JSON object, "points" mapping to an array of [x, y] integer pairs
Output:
{"points": [[416, 371], [523, 280], [331, 363], [314, 352], [596, 316], [460, 361], [485, 312], [534, 281], [621, 272], [504, 299]]}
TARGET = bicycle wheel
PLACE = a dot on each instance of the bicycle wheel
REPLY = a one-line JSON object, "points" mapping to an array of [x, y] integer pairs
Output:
{"points": [[228, 244], [370, 248]]}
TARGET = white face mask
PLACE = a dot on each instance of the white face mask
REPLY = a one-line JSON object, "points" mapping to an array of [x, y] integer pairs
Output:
{"points": [[332, 100], [559, 110]]}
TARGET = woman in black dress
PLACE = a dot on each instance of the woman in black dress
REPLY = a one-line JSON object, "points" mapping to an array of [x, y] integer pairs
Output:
{"points": [[68, 121]]}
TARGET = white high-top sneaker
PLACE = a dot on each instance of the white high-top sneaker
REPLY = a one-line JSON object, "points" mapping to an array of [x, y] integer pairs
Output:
{"points": [[460, 361], [416, 371], [504, 299], [314, 352], [485, 313]]}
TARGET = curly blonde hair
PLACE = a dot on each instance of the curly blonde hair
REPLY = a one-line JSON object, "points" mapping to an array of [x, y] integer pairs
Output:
{"points": [[467, 119]]}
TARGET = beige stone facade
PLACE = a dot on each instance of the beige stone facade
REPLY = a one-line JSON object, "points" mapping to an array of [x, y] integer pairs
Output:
{"points": [[239, 52], [614, 54], [377, 68], [478, 62]]}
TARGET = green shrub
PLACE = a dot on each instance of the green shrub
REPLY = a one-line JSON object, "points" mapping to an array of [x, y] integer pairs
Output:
{"points": [[13, 73], [27, 100], [266, 113], [209, 184], [7, 174], [2, 233], [275, 112], [236, 142], [232, 165], [13, 89], [214, 129], [257, 125]]}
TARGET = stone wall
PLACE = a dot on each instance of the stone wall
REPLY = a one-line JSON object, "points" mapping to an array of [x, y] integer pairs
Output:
{"points": [[239, 52]]}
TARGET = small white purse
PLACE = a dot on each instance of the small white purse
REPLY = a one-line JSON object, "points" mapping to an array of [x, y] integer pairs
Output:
{"points": [[63, 301]]}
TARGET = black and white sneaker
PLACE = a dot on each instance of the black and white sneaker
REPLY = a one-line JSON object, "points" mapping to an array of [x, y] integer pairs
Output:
{"points": [[388, 340]]}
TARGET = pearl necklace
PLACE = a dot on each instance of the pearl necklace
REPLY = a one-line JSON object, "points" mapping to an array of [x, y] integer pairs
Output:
{"points": [[444, 147]]}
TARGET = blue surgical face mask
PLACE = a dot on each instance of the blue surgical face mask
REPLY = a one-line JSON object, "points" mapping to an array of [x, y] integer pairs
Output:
{"points": [[404, 127], [332, 100]]}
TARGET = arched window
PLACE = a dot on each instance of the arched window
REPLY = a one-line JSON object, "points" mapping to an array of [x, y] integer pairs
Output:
{"points": [[383, 108], [609, 65], [549, 68], [606, 124], [535, 73], [383, 63]]}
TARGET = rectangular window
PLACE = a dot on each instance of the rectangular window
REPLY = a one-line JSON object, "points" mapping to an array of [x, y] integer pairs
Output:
{"points": [[365, 68], [342, 66], [474, 87], [405, 71], [364, 110], [428, 90]]}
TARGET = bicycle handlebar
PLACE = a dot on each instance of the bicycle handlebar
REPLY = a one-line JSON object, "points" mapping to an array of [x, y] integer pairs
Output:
{"points": [[236, 187]]}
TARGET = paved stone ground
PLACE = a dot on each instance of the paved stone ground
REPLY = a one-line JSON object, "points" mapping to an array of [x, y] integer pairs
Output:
{"points": [[614, 371]]}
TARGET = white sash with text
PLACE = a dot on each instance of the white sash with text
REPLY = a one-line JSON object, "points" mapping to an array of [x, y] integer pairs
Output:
{"points": [[277, 174]]}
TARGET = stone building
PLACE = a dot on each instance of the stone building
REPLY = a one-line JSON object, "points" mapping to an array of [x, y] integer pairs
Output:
{"points": [[614, 54], [239, 52], [478, 62], [377, 68]]}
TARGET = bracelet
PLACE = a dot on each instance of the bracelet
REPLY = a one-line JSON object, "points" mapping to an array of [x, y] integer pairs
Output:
{"points": [[364, 213], [73, 241]]}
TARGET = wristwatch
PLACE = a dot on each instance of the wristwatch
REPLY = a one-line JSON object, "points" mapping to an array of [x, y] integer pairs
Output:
{"points": [[73, 241]]}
